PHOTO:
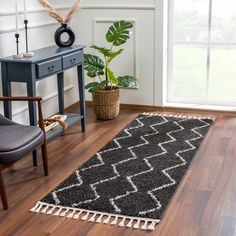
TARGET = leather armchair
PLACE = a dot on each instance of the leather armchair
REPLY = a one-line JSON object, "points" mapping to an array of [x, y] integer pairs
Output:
{"points": [[17, 140]]}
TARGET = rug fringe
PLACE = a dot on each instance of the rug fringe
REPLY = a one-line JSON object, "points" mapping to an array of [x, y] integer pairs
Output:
{"points": [[179, 116], [96, 216]]}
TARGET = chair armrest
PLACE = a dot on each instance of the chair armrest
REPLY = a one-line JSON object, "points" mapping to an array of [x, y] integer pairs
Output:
{"points": [[21, 99], [29, 99]]}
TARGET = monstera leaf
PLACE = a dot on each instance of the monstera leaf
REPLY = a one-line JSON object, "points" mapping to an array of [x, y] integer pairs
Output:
{"points": [[93, 65], [111, 77], [105, 51], [119, 32], [93, 87], [114, 54], [127, 81]]}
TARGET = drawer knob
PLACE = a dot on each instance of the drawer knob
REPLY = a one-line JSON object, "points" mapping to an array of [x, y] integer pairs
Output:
{"points": [[51, 68]]}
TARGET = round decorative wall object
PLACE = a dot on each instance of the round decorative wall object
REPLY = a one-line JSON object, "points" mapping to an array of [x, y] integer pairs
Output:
{"points": [[64, 29]]}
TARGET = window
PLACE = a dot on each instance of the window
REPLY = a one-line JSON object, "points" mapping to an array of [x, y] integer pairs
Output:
{"points": [[202, 52]]}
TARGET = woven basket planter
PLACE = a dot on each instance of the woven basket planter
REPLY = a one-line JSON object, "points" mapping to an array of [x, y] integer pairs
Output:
{"points": [[106, 104]]}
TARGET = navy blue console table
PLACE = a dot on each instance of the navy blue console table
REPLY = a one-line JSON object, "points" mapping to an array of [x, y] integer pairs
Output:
{"points": [[45, 62]]}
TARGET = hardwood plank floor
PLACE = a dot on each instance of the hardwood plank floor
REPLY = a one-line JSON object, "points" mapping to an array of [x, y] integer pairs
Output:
{"points": [[204, 204]]}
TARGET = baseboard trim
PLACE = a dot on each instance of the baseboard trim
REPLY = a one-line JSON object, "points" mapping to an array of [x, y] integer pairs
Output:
{"points": [[172, 109]]}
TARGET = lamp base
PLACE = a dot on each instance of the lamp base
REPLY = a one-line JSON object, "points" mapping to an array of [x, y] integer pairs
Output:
{"points": [[28, 54], [18, 56]]}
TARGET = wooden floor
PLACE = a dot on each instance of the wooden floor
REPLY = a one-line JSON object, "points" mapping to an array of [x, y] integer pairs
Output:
{"points": [[204, 205]]}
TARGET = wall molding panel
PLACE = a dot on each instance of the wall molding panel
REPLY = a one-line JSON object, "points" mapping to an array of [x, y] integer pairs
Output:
{"points": [[140, 51], [12, 29], [83, 6], [119, 7], [31, 11]]}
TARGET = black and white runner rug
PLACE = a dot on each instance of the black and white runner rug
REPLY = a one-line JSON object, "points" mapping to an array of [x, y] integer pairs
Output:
{"points": [[131, 180]]}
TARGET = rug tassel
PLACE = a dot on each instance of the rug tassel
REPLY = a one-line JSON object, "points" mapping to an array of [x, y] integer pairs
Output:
{"points": [[35, 207], [106, 221], [58, 212], [77, 215], [122, 223], [64, 213], [85, 217], [144, 226], [71, 214], [39, 208], [50, 211], [45, 209], [114, 222], [136, 225], [68, 212], [152, 225], [130, 224], [99, 219], [92, 219], [178, 116]]}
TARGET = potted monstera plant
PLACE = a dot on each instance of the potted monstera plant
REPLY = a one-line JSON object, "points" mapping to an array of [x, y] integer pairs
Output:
{"points": [[105, 87]]}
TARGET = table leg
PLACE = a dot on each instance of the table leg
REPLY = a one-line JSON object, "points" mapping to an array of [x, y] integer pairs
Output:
{"points": [[7, 104], [6, 91], [60, 86], [31, 91], [80, 71]]}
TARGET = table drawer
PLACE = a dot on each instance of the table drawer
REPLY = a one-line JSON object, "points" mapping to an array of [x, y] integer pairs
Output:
{"points": [[49, 67], [72, 59]]}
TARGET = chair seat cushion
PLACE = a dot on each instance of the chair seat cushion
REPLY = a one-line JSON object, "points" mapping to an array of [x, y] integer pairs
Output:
{"points": [[17, 136], [17, 141]]}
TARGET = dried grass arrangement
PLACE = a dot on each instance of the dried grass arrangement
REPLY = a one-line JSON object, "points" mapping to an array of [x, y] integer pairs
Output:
{"points": [[54, 14], [64, 28]]}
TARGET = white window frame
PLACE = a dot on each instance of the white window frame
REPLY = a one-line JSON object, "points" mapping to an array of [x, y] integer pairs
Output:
{"points": [[169, 90]]}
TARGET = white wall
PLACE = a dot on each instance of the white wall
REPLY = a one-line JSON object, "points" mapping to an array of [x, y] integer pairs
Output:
{"points": [[143, 56]]}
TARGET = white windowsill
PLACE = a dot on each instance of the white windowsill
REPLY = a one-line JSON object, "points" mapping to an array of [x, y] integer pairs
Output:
{"points": [[199, 106]]}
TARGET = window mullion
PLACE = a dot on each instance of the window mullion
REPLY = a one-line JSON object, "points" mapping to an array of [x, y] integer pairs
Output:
{"points": [[209, 49], [170, 48]]}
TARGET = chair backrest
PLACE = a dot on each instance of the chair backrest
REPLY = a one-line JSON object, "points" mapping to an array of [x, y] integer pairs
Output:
{"points": [[5, 121]]}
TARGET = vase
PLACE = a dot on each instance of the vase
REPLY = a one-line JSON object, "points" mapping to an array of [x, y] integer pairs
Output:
{"points": [[64, 29], [106, 104]]}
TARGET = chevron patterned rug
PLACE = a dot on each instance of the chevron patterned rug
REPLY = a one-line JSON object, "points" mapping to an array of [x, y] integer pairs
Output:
{"points": [[131, 180]]}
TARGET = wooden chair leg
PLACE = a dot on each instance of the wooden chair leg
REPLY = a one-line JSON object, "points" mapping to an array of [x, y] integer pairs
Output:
{"points": [[3, 192], [45, 158]]}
